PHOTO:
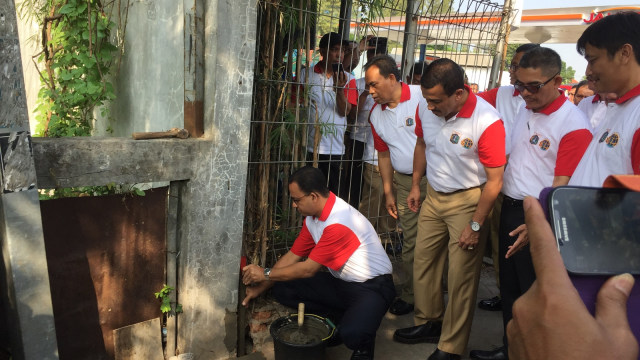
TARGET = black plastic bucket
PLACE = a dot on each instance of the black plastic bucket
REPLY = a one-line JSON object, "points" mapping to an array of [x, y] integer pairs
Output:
{"points": [[291, 342]]}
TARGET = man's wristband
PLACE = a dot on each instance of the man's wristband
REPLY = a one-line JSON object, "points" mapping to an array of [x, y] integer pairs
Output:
{"points": [[267, 272]]}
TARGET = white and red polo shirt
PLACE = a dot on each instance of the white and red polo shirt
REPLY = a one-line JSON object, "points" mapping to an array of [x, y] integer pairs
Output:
{"points": [[545, 144], [322, 103], [507, 100], [615, 148], [595, 109], [361, 130], [394, 129], [344, 241], [458, 149]]}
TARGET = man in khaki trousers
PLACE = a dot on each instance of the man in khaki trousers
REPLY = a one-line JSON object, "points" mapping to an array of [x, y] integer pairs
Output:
{"points": [[461, 146]]}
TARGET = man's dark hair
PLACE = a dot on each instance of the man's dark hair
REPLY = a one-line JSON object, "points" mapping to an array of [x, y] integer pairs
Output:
{"points": [[581, 84], [444, 72], [310, 179], [386, 65], [418, 68], [542, 58], [612, 32], [575, 86], [527, 47]]}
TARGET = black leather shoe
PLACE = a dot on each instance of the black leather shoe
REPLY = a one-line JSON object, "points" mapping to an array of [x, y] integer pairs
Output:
{"points": [[497, 354], [400, 307], [443, 355], [493, 304], [429, 332], [362, 354]]}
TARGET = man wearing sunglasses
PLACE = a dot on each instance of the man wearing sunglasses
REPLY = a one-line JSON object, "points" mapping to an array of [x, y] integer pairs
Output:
{"points": [[357, 289], [507, 100], [549, 137]]}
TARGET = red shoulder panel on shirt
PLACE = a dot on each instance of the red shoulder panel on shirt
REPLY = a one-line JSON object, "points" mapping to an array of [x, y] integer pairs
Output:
{"points": [[304, 243], [328, 206], [490, 96], [570, 151], [335, 247], [635, 153], [351, 92], [469, 105], [418, 130], [378, 143], [491, 145]]}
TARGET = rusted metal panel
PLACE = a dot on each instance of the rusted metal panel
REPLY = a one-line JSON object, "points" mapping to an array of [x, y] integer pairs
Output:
{"points": [[106, 258]]}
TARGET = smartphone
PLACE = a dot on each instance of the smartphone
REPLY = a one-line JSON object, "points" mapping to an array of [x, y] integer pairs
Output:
{"points": [[337, 67], [597, 230]]}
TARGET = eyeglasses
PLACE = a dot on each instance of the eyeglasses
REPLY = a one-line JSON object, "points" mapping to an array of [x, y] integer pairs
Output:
{"points": [[533, 89], [296, 201], [513, 67]]}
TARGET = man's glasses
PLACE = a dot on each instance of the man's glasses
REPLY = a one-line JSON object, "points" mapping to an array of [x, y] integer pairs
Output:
{"points": [[513, 67], [533, 89], [296, 201]]}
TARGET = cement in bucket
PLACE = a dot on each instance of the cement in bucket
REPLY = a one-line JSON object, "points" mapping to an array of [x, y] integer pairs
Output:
{"points": [[291, 342]]}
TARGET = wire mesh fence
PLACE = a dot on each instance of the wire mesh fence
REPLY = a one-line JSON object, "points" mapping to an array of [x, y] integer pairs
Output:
{"points": [[299, 120]]}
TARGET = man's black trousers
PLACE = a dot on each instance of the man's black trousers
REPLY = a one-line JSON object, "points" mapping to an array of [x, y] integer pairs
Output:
{"points": [[516, 273], [358, 308]]}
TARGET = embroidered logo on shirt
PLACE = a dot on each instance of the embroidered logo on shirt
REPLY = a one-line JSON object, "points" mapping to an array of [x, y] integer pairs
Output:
{"points": [[604, 136], [454, 138], [613, 140], [467, 143], [409, 121], [534, 139], [544, 144]]}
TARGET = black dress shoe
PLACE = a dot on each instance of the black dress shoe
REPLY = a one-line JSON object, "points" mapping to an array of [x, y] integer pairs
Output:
{"points": [[443, 355], [429, 332], [400, 307], [362, 354], [497, 354], [493, 304]]}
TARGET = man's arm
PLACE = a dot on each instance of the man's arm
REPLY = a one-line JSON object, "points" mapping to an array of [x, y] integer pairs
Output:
{"points": [[343, 107], [492, 187], [386, 173], [419, 169]]}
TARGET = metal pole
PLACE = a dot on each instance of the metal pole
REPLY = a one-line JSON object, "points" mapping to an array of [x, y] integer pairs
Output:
{"points": [[410, 37], [344, 25], [498, 58]]}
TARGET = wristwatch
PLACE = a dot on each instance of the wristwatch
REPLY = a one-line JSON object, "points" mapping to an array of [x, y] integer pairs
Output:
{"points": [[267, 272], [475, 226]]}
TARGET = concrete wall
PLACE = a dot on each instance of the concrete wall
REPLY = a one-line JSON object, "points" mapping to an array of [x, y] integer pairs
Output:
{"points": [[213, 205]]}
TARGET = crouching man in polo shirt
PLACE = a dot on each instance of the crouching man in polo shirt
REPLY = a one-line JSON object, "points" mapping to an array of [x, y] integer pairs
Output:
{"points": [[461, 146], [358, 287], [393, 127]]}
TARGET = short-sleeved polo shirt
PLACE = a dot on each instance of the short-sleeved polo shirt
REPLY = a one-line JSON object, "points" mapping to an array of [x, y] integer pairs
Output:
{"points": [[595, 109], [507, 100], [322, 104], [394, 129], [361, 130], [545, 144], [615, 148], [458, 149], [344, 241]]}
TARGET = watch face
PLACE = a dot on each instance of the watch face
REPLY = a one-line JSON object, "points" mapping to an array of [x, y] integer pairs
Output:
{"points": [[475, 226]]}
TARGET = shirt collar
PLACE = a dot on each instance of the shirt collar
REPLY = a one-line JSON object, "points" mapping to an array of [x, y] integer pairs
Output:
{"points": [[404, 96], [469, 105], [629, 95], [515, 92], [318, 69], [555, 105], [328, 206], [596, 98]]}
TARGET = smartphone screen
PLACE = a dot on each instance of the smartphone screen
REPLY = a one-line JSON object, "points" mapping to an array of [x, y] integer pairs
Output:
{"points": [[597, 230], [337, 67]]}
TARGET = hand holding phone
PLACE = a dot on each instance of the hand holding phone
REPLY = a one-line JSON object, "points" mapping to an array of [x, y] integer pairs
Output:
{"points": [[559, 331]]}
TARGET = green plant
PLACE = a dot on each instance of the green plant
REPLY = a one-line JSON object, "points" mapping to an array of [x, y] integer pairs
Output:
{"points": [[77, 58], [166, 303], [82, 191]]}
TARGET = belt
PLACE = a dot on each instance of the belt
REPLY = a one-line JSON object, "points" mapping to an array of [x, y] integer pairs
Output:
{"points": [[512, 202], [384, 277], [399, 173]]}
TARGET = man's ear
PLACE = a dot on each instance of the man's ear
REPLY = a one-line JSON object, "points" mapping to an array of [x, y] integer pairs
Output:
{"points": [[558, 81], [626, 53], [459, 93]]}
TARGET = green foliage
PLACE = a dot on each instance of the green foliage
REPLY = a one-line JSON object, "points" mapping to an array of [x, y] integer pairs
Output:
{"points": [[567, 73], [77, 58], [109, 189], [166, 303]]}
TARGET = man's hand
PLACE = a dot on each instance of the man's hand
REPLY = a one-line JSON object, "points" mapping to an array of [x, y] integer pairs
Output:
{"points": [[252, 274], [340, 79], [550, 321], [363, 44], [413, 199], [390, 204], [469, 239], [253, 292], [521, 241]]}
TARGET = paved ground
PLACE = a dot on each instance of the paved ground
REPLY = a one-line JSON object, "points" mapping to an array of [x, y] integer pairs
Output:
{"points": [[486, 332]]}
